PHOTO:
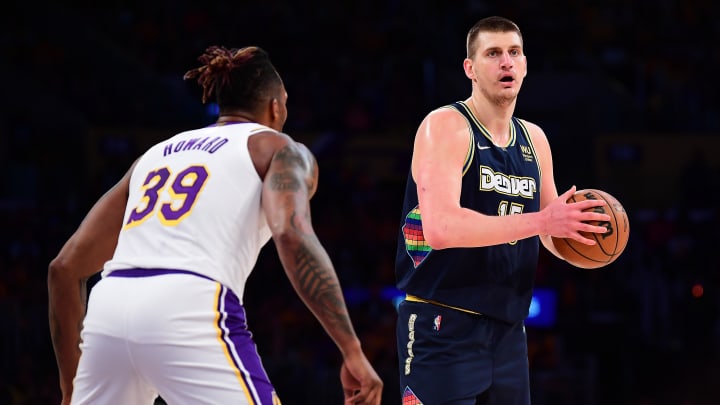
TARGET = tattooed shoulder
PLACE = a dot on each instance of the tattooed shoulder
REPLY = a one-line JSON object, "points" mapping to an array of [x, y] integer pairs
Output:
{"points": [[290, 156]]}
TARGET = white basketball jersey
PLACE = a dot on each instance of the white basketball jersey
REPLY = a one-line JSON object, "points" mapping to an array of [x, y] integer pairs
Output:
{"points": [[194, 204]]}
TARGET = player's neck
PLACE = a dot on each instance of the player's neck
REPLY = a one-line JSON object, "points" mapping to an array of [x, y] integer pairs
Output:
{"points": [[236, 117], [495, 118]]}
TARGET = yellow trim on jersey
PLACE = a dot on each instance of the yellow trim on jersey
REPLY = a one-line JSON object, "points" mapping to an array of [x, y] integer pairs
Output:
{"points": [[252, 131], [413, 298], [470, 153], [526, 132], [471, 147], [485, 132], [226, 350]]}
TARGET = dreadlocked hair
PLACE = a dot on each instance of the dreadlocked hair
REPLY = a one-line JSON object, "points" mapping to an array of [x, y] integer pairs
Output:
{"points": [[239, 78]]}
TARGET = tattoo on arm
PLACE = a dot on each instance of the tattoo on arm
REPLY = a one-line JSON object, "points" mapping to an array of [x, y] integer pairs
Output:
{"points": [[320, 287], [294, 174], [291, 172], [284, 181], [290, 157]]}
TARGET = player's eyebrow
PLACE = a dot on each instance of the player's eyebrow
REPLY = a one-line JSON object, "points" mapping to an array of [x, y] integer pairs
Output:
{"points": [[498, 48]]}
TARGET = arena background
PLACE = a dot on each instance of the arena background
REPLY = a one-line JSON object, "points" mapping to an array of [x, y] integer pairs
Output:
{"points": [[627, 92]]}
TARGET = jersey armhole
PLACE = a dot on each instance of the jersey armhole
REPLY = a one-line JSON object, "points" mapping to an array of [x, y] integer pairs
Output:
{"points": [[471, 141], [528, 137]]}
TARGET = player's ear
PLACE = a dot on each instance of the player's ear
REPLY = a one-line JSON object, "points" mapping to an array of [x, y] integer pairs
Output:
{"points": [[274, 109], [468, 67], [274, 113]]}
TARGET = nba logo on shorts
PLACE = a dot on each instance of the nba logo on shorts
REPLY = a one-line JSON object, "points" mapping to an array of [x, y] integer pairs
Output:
{"points": [[436, 322]]}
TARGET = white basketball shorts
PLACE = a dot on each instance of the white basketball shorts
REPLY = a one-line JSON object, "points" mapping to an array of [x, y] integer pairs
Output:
{"points": [[172, 333]]}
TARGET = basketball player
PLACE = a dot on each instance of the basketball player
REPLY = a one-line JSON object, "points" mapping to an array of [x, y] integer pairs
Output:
{"points": [[176, 240], [479, 196]]}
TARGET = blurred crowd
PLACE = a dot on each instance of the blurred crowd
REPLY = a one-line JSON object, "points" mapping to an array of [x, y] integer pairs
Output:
{"points": [[361, 75]]}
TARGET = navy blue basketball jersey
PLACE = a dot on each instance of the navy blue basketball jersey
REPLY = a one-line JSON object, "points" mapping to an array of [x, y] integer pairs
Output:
{"points": [[496, 280]]}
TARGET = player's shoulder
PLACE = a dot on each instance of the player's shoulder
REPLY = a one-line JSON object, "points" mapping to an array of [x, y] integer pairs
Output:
{"points": [[445, 118], [445, 112], [274, 139], [531, 126], [534, 130], [271, 142]]}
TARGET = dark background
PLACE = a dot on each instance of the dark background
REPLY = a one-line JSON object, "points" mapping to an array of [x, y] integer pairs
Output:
{"points": [[627, 92]]}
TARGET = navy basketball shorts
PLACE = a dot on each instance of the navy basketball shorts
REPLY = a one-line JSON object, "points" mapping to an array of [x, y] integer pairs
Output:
{"points": [[447, 356], [181, 336]]}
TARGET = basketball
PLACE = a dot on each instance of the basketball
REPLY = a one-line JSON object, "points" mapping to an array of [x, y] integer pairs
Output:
{"points": [[609, 245]]}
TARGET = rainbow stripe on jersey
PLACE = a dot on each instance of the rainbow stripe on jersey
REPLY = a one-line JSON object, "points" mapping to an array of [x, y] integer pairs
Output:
{"points": [[415, 243]]}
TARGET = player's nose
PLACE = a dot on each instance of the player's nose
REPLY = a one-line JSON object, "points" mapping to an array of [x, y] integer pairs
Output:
{"points": [[506, 60]]}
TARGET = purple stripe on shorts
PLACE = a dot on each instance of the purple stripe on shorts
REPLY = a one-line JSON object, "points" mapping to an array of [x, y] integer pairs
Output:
{"points": [[153, 272], [243, 352]]}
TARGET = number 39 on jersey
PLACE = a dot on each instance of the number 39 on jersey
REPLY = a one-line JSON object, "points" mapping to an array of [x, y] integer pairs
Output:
{"points": [[183, 191]]}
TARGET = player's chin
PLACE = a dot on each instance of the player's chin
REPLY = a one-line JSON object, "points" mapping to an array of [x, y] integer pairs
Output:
{"points": [[509, 92]]}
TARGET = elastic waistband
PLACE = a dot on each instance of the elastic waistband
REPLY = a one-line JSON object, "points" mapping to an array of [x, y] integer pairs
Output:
{"points": [[413, 298], [153, 272]]}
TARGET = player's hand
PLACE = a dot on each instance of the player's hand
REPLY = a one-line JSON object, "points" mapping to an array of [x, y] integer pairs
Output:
{"points": [[361, 384], [567, 220]]}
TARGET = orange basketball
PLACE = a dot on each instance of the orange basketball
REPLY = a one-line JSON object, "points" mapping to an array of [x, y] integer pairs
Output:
{"points": [[609, 245]]}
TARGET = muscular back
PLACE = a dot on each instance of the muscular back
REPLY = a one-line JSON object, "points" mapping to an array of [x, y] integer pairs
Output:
{"points": [[199, 201]]}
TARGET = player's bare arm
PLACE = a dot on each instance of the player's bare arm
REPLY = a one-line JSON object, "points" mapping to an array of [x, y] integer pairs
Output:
{"points": [[441, 145], [289, 183], [286, 193], [84, 254]]}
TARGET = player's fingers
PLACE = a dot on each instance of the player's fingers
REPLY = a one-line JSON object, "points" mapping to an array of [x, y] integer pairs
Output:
{"points": [[587, 204], [358, 397], [585, 241], [366, 396], [363, 400], [375, 395], [593, 228], [593, 216], [566, 195]]}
